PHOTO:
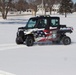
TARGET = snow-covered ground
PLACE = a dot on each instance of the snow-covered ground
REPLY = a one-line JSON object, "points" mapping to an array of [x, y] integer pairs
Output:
{"points": [[39, 59]]}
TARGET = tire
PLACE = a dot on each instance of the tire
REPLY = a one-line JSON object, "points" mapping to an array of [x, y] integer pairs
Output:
{"points": [[66, 40], [21, 34], [19, 40], [29, 41]]}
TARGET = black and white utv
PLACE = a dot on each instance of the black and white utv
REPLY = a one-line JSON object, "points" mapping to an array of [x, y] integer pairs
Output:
{"points": [[43, 28]]}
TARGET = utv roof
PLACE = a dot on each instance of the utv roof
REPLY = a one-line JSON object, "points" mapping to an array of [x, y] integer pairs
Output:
{"points": [[42, 16]]}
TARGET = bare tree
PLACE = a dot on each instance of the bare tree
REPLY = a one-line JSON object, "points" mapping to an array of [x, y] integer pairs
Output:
{"points": [[33, 6], [21, 5], [4, 7], [48, 4], [74, 7]]}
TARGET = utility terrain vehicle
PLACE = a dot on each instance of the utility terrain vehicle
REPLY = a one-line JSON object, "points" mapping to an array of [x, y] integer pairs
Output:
{"points": [[43, 28]]}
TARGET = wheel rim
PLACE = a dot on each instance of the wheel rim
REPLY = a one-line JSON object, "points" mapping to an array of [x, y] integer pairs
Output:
{"points": [[67, 41], [30, 41]]}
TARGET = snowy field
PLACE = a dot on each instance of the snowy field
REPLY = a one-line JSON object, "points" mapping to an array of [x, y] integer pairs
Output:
{"points": [[39, 59]]}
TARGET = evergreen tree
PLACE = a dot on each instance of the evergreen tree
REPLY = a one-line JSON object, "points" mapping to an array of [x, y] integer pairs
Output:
{"points": [[66, 6]]}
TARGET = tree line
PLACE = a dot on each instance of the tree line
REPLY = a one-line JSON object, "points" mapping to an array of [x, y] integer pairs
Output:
{"points": [[66, 6]]}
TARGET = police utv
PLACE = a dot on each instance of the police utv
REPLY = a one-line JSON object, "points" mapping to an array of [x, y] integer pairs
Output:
{"points": [[43, 28]]}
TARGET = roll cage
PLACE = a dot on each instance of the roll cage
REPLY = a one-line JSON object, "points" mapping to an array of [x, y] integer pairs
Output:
{"points": [[43, 22]]}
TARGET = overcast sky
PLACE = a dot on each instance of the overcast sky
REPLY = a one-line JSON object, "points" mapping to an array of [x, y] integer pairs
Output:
{"points": [[74, 0]]}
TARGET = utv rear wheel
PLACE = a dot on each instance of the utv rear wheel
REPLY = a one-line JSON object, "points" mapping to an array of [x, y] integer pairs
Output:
{"points": [[19, 40], [29, 41], [66, 40]]}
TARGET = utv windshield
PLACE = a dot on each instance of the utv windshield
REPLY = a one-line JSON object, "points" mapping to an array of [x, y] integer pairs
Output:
{"points": [[31, 23]]}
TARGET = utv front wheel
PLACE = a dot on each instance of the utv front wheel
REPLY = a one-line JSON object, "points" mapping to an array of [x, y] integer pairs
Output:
{"points": [[66, 40], [29, 41], [19, 40]]}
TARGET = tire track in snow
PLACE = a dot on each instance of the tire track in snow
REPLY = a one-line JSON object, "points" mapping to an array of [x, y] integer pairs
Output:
{"points": [[5, 73], [10, 46]]}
